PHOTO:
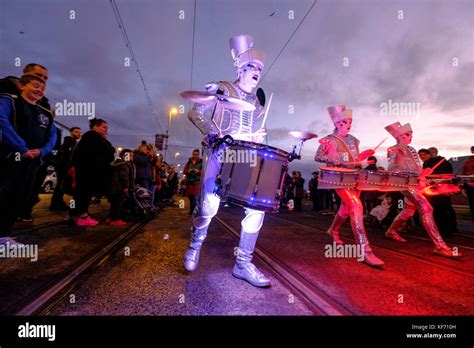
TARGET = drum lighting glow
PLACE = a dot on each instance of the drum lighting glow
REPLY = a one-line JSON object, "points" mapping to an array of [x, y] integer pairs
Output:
{"points": [[263, 200]]}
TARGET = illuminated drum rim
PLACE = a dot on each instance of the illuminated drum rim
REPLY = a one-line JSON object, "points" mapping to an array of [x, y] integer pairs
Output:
{"points": [[387, 174], [440, 176], [339, 170], [403, 174], [335, 183], [258, 146]]}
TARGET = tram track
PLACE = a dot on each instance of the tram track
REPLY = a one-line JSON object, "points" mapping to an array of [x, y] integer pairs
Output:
{"points": [[22, 231], [316, 299], [44, 300], [46, 297], [463, 235], [404, 235], [398, 253], [420, 238]]}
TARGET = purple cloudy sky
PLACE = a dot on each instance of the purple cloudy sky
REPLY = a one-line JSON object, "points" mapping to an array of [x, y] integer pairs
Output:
{"points": [[425, 58]]}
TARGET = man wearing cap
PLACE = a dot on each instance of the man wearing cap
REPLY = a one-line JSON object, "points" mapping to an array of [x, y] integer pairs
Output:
{"points": [[404, 158], [249, 63], [314, 193], [342, 149]]}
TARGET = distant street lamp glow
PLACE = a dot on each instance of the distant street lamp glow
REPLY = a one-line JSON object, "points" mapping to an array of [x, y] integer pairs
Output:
{"points": [[171, 111]]}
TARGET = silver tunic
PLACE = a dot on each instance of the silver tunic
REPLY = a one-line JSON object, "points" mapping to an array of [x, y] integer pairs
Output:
{"points": [[227, 121], [343, 150]]}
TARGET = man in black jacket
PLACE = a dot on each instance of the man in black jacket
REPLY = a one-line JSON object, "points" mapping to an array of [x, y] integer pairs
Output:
{"points": [[443, 212], [314, 193], [144, 164], [63, 163]]}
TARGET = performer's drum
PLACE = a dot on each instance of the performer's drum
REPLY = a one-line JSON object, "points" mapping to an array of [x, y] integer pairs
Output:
{"points": [[371, 180], [441, 184], [466, 180], [399, 181], [336, 178], [382, 180], [441, 189], [252, 175]]}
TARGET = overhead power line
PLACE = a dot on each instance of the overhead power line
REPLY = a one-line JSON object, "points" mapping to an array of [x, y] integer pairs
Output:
{"points": [[123, 30], [288, 41], [192, 60]]}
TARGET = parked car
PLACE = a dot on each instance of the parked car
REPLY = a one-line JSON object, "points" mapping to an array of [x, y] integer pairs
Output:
{"points": [[50, 181]]}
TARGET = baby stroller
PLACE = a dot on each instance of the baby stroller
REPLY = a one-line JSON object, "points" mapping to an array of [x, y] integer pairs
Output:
{"points": [[138, 206], [383, 215]]}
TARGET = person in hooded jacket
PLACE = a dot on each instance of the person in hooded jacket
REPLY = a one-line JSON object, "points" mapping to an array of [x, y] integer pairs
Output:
{"points": [[123, 182]]}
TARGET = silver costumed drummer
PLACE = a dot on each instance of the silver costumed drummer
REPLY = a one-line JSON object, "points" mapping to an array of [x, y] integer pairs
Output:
{"points": [[222, 121]]}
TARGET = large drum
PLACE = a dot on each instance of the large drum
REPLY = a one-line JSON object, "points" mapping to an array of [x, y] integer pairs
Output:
{"points": [[466, 180], [441, 184], [371, 180], [383, 180], [252, 175], [336, 178]]}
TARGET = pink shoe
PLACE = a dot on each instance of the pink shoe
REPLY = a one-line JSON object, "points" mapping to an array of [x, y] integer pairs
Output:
{"points": [[87, 221], [395, 236], [335, 236], [118, 223], [448, 252], [372, 260]]}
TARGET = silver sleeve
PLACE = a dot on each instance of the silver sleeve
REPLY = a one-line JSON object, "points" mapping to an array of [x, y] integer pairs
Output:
{"points": [[321, 154], [324, 155], [196, 116]]}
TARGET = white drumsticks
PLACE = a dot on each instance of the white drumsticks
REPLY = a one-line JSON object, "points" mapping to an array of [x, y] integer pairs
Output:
{"points": [[266, 111], [437, 164], [375, 149]]}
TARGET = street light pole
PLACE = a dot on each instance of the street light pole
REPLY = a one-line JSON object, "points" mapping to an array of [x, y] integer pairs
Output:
{"points": [[171, 111]]}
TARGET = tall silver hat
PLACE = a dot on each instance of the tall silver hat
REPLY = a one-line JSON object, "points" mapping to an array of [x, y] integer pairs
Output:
{"points": [[339, 113], [396, 129], [241, 48]]}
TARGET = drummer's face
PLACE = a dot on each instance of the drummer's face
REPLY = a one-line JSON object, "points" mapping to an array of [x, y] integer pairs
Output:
{"points": [[406, 138], [344, 126], [250, 74]]}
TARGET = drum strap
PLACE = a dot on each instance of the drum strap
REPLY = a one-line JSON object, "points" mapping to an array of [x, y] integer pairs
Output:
{"points": [[414, 156], [410, 155]]}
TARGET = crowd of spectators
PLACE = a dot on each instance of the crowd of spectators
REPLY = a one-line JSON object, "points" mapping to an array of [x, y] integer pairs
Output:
{"points": [[87, 165]]}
